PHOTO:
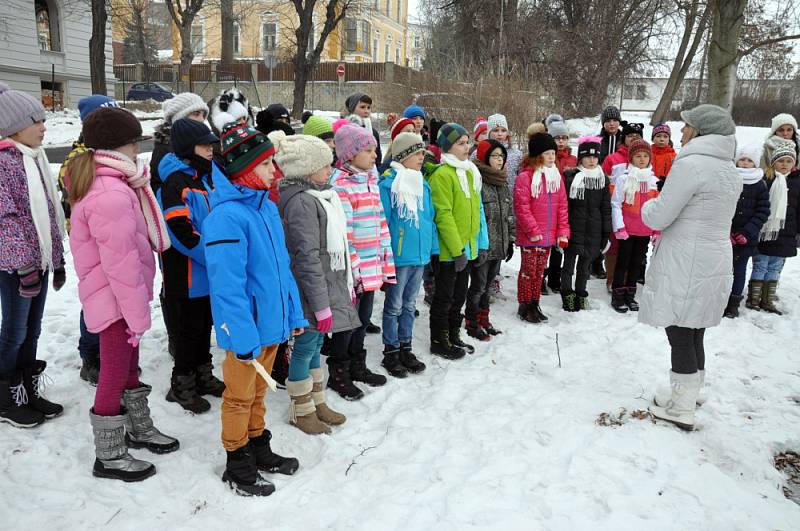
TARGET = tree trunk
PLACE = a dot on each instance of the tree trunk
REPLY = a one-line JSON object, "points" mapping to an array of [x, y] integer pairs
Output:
{"points": [[723, 54], [226, 19], [187, 54], [301, 76], [97, 47]]}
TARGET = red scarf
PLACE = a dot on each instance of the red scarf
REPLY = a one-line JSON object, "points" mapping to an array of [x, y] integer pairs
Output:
{"points": [[251, 180]]}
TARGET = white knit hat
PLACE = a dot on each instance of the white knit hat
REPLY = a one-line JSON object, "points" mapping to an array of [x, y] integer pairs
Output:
{"points": [[406, 144], [300, 155], [182, 105], [782, 119], [497, 120], [750, 151]]}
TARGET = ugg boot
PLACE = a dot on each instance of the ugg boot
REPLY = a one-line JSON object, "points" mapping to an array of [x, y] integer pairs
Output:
{"points": [[618, 301], [475, 330], [302, 412], [754, 289], [664, 394], [14, 409], [409, 360], [340, 381], [33, 380], [241, 474], [183, 390], [455, 340], [569, 301], [525, 313], [679, 409], [486, 324], [139, 429], [768, 297], [324, 413], [630, 300], [442, 347], [112, 458], [391, 362], [206, 382], [359, 372], [583, 300], [732, 309], [269, 461]]}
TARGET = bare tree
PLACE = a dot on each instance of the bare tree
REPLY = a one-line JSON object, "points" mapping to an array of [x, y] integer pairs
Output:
{"points": [[183, 13], [226, 27], [97, 47]]}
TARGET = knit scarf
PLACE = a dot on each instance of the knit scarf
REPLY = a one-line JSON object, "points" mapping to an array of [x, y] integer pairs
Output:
{"points": [[491, 176], [336, 231], [462, 167], [593, 179], [138, 177], [407, 190], [636, 180], [41, 188], [251, 180], [552, 178], [751, 175], [778, 201]]}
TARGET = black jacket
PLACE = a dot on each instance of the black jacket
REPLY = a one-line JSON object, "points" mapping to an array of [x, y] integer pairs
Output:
{"points": [[589, 218], [786, 244], [606, 140], [161, 146], [752, 211]]}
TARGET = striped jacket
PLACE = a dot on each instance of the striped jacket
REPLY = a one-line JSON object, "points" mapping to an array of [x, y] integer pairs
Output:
{"points": [[367, 232]]}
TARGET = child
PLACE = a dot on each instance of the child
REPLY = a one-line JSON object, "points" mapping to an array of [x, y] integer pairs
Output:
{"points": [[183, 197], [359, 108], [617, 163], [403, 125], [31, 248], [752, 212], [610, 133], [630, 190], [254, 302], [663, 152], [407, 202], [779, 233], [540, 205], [116, 226], [784, 127], [320, 127], [479, 133], [500, 223], [498, 130], [564, 160], [370, 243], [416, 114], [316, 234], [183, 105], [589, 222]]}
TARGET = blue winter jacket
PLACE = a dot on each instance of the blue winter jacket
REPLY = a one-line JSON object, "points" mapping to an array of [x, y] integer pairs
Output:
{"points": [[411, 245], [254, 298]]}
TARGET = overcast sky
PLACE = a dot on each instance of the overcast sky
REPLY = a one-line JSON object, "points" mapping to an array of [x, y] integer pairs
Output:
{"points": [[412, 11]]}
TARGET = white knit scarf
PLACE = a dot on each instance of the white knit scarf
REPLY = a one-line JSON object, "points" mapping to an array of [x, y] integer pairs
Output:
{"points": [[636, 180], [462, 167], [552, 179], [138, 178], [751, 175], [778, 201], [335, 231], [593, 179], [407, 190], [37, 169]]}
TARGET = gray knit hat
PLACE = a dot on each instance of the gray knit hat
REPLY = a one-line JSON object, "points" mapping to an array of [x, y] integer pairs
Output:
{"points": [[557, 128], [182, 105], [709, 119], [610, 113], [406, 144], [18, 110]]}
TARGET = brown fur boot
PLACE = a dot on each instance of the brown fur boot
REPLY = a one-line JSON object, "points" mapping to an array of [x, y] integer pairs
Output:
{"points": [[324, 413]]}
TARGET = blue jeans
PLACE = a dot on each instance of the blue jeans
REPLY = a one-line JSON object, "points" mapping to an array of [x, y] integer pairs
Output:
{"points": [[89, 343], [305, 355], [21, 326], [400, 305], [767, 267]]}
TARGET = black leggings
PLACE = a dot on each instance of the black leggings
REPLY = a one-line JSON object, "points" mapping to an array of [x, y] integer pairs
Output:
{"points": [[630, 254], [688, 354]]}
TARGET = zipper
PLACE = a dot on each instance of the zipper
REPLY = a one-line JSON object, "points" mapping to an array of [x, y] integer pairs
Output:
{"points": [[275, 255], [255, 310], [400, 243]]}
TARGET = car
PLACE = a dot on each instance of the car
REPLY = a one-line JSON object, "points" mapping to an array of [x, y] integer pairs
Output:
{"points": [[149, 91]]}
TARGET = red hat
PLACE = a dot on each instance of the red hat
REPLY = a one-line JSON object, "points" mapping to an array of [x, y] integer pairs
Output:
{"points": [[485, 147], [399, 125], [481, 125], [639, 145]]}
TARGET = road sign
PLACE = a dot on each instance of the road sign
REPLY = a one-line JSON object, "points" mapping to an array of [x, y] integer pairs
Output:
{"points": [[270, 61], [340, 71]]}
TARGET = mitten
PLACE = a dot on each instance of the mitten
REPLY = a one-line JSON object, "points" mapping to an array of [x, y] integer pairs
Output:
{"points": [[621, 234], [510, 252], [30, 281], [461, 262], [59, 278], [324, 320]]}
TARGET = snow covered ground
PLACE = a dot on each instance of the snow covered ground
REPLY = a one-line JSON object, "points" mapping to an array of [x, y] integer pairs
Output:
{"points": [[63, 127], [503, 439]]}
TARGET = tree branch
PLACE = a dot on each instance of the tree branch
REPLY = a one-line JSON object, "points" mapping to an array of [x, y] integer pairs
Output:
{"points": [[767, 42]]}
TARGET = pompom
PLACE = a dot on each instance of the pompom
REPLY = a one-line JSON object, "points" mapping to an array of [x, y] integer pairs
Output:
{"points": [[591, 138]]}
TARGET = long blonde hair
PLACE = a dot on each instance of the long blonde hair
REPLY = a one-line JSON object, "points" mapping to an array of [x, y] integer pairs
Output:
{"points": [[81, 171]]}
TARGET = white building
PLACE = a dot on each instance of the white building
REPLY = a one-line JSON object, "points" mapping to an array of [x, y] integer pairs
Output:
{"points": [[44, 49]]}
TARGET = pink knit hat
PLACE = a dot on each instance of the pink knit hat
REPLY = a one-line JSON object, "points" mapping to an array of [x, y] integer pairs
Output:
{"points": [[661, 128], [338, 123], [350, 140]]}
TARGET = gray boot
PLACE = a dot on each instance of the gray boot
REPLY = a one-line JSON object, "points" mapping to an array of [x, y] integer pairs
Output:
{"points": [[113, 460], [139, 429]]}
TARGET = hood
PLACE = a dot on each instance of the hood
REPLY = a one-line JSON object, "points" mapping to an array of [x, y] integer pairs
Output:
{"points": [[225, 190], [170, 164], [720, 147]]}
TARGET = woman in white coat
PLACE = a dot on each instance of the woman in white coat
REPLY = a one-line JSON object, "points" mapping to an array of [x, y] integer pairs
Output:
{"points": [[690, 274]]}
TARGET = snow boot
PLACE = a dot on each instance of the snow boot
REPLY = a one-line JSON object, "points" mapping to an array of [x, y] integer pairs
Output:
{"points": [[618, 301], [663, 395], [280, 369], [391, 362], [183, 390], [139, 429], [340, 381], [679, 409], [13, 404], [112, 458], [732, 309], [241, 474], [486, 324], [545, 291], [324, 413], [442, 347], [360, 373], [768, 297], [583, 299], [455, 340], [90, 370], [269, 461], [409, 360], [538, 310], [373, 328], [206, 382], [630, 300], [302, 413], [754, 294], [476, 331], [569, 301], [33, 380], [527, 314]]}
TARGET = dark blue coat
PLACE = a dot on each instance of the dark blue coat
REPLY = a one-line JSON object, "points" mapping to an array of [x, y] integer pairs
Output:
{"points": [[752, 211]]}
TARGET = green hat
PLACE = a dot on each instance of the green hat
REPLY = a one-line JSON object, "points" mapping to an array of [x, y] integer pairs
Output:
{"points": [[244, 148], [319, 127]]}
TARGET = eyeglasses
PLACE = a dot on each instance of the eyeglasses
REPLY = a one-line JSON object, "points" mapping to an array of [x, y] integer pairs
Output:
{"points": [[497, 157], [561, 137]]}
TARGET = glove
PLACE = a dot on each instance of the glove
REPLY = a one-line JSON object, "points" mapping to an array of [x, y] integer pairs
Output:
{"points": [[563, 242], [461, 262], [740, 238], [621, 234], [359, 287], [30, 281], [324, 320], [435, 264], [133, 338], [59, 278], [654, 238], [510, 252], [483, 257]]}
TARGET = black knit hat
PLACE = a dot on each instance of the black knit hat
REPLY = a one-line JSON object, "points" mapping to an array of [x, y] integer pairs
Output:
{"points": [[588, 148], [267, 123], [187, 133], [278, 110], [539, 143], [434, 129], [630, 128], [110, 128], [610, 113]]}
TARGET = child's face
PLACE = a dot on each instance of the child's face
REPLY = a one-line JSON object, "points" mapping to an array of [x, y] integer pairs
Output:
{"points": [[483, 136], [363, 109], [611, 126], [409, 129], [641, 159], [204, 150], [496, 161], [419, 121], [499, 133], [321, 176], [460, 149], [331, 143], [745, 162], [785, 131], [562, 142], [661, 140], [631, 137], [266, 171], [783, 165], [365, 159], [549, 157], [197, 116], [590, 162], [31, 136], [414, 162]]}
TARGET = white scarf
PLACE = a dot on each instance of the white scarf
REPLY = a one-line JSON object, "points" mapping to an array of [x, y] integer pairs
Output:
{"points": [[37, 170], [751, 175], [407, 190], [335, 231], [552, 178], [636, 180], [593, 179], [462, 167], [778, 201]]}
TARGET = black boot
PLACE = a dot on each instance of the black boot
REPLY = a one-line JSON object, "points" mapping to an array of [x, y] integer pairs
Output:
{"points": [[90, 370], [280, 370], [13, 407], [441, 346], [340, 382], [544, 287], [526, 314], [618, 301], [391, 362], [476, 331], [732, 309], [486, 324], [207, 383], [569, 301], [241, 474], [33, 380], [455, 340], [269, 461], [535, 308], [373, 328], [409, 360], [360, 373], [630, 300], [183, 390]]}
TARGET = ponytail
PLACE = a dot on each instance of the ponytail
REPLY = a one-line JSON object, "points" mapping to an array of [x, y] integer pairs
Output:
{"points": [[82, 172]]}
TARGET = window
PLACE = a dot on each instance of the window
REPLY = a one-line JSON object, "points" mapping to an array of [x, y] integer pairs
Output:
{"points": [[399, 10], [387, 49], [198, 45], [356, 36], [388, 8], [47, 26], [237, 39], [416, 41], [376, 44], [397, 55], [269, 32], [635, 91]]}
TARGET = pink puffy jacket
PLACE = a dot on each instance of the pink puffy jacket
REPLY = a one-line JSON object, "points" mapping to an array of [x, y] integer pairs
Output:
{"points": [[112, 254], [544, 216]]}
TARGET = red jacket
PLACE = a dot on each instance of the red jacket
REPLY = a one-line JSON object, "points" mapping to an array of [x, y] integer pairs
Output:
{"points": [[565, 160], [662, 160], [544, 216], [620, 157]]}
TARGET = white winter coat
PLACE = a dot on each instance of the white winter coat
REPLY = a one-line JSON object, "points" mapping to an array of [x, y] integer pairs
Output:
{"points": [[691, 273]]}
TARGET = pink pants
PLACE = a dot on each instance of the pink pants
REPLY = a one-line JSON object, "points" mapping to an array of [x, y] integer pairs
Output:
{"points": [[119, 364]]}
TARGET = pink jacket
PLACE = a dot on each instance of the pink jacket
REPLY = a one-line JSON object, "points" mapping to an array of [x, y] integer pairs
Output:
{"points": [[112, 254], [544, 216]]}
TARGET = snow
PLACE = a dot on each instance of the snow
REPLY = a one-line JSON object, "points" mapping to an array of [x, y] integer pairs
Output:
{"points": [[503, 439], [64, 127]]}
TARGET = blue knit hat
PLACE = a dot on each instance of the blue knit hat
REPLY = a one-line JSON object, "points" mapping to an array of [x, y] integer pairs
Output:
{"points": [[94, 102], [449, 135], [412, 111]]}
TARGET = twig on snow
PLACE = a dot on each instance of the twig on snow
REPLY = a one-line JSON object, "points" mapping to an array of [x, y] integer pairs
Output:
{"points": [[558, 351], [365, 450], [114, 515]]}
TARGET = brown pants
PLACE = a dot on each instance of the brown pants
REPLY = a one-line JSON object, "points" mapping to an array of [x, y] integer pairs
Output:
{"points": [[243, 408]]}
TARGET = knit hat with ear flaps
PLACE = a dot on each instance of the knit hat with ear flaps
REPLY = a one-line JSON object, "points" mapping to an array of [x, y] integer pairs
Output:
{"points": [[350, 140], [610, 113], [244, 148], [637, 146], [709, 119], [539, 143], [406, 144], [782, 119], [786, 148], [18, 110], [182, 105], [300, 155], [110, 128], [449, 135], [230, 106], [487, 147]]}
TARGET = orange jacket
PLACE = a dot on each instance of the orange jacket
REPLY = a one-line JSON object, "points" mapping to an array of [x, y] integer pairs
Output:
{"points": [[662, 160]]}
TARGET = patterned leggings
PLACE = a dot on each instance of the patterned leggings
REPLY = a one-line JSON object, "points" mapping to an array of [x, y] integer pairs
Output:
{"points": [[531, 272]]}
